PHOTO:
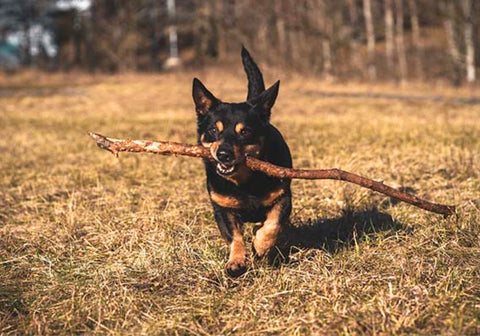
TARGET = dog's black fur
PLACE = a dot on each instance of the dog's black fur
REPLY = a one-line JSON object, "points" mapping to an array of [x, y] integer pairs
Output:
{"points": [[238, 195]]}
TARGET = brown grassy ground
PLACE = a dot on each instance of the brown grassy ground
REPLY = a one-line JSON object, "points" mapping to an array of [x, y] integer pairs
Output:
{"points": [[93, 244]]}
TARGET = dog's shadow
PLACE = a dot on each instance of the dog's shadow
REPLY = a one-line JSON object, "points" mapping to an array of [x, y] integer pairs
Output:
{"points": [[335, 234]]}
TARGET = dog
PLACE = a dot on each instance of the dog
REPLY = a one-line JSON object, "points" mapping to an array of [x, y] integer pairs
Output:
{"points": [[232, 131]]}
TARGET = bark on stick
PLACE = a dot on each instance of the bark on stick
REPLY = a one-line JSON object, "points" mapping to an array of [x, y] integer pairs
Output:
{"points": [[174, 148]]}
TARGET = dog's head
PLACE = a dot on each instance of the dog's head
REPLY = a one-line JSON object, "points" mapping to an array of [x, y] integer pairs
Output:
{"points": [[233, 130]]}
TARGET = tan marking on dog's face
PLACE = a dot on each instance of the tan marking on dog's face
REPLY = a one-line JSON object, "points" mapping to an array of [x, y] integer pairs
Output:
{"points": [[266, 236], [241, 176], [238, 152], [272, 196], [205, 144], [239, 127], [242, 173], [230, 202], [253, 150], [219, 125], [214, 148]]}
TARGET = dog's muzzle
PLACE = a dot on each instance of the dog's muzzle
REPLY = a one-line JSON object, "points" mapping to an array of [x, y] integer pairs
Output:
{"points": [[226, 161]]}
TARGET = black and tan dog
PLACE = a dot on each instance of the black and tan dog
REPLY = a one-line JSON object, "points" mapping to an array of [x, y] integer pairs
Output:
{"points": [[239, 195]]}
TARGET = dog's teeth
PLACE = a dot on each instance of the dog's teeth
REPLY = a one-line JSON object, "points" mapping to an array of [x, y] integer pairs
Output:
{"points": [[225, 169]]}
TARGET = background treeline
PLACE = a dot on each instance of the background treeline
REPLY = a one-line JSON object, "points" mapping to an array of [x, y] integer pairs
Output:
{"points": [[364, 39]]}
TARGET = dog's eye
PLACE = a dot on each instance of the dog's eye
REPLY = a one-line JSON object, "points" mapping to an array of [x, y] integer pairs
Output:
{"points": [[213, 132], [246, 132]]}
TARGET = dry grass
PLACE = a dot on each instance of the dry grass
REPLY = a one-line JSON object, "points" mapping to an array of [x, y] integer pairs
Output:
{"points": [[93, 244]]}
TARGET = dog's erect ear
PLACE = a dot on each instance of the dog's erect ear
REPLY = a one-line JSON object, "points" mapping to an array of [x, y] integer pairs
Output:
{"points": [[264, 102], [255, 79], [204, 99]]}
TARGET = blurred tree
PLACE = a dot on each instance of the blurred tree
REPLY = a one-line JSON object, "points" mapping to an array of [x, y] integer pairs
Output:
{"points": [[354, 38], [334, 38], [450, 17], [389, 34], [400, 42], [469, 42], [367, 12], [173, 59], [281, 30], [154, 12], [417, 42]]}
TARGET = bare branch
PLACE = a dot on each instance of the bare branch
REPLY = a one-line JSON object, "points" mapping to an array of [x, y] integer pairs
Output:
{"points": [[166, 147]]}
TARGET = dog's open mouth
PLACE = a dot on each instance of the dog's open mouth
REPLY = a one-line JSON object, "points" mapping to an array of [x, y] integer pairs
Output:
{"points": [[225, 169]]}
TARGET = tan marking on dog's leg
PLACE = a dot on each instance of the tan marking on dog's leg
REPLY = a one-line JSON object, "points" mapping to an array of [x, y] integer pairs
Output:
{"points": [[226, 201], [237, 260], [266, 237], [219, 125], [272, 196]]}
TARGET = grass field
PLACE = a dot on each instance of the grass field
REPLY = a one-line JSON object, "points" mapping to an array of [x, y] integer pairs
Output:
{"points": [[93, 244]]}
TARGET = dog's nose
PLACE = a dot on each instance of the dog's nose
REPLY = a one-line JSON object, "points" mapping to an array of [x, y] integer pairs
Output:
{"points": [[225, 156]]}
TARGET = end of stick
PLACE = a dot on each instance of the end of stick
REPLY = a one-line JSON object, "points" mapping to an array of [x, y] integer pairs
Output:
{"points": [[103, 142], [450, 211], [97, 137]]}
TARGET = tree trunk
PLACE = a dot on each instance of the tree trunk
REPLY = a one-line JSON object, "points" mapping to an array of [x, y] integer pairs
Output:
{"points": [[173, 59], [469, 42], [262, 38], [77, 38], [224, 17], [402, 58], [367, 12], [281, 31], [453, 48], [206, 29], [389, 34], [154, 37], [326, 27], [92, 30], [354, 43], [327, 58], [220, 30], [417, 43]]}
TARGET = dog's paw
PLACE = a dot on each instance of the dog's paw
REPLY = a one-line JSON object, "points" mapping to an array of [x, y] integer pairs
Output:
{"points": [[262, 252], [235, 268], [274, 256], [263, 244]]}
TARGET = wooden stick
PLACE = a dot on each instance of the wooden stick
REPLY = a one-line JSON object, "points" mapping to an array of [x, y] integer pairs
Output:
{"points": [[166, 147]]}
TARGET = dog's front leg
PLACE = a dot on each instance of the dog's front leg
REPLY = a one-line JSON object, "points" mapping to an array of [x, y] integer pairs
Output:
{"points": [[266, 236], [231, 227]]}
